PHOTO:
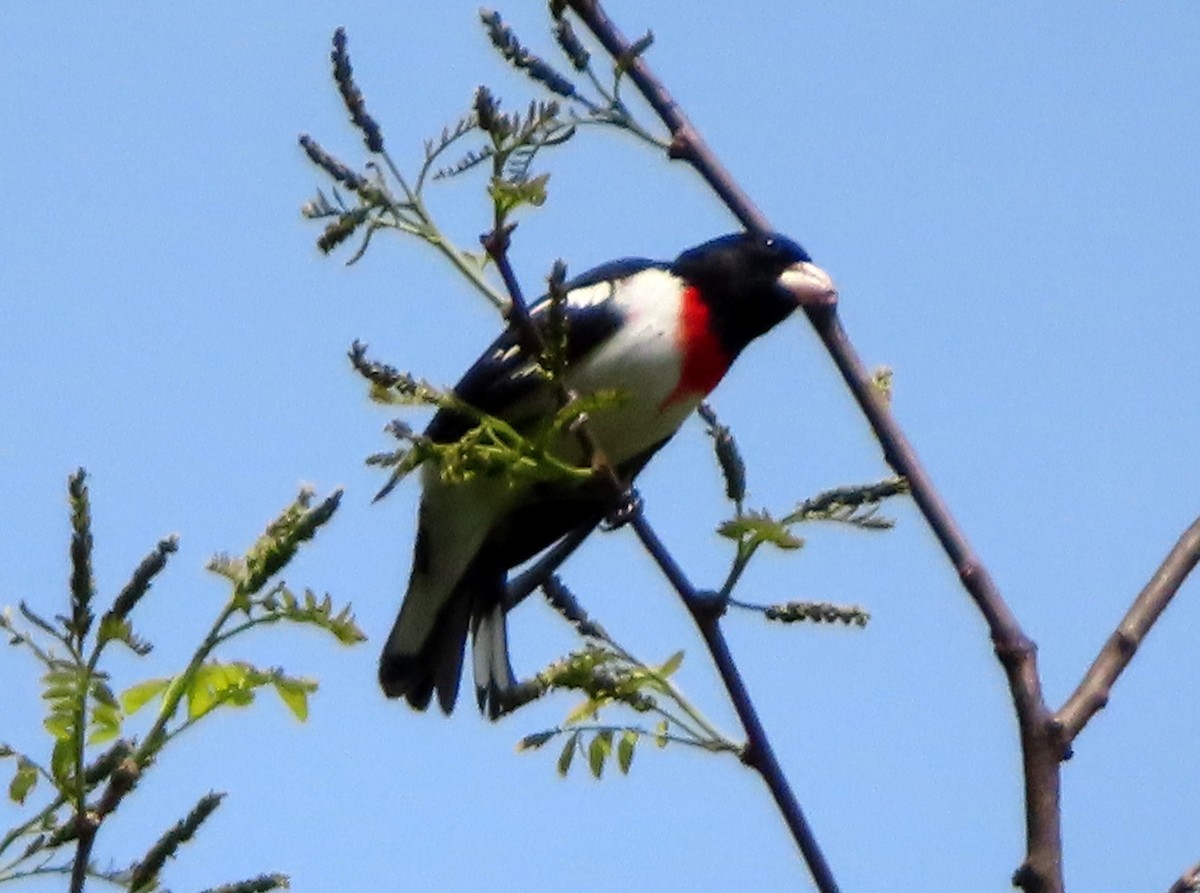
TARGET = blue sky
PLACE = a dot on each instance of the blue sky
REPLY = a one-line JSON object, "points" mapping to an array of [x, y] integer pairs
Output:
{"points": [[1008, 198]]}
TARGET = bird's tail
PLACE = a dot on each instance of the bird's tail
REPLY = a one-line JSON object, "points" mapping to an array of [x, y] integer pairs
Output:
{"points": [[424, 652], [489, 656]]}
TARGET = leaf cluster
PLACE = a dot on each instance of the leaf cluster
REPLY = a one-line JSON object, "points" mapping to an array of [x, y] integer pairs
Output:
{"points": [[490, 448], [857, 506], [609, 677], [380, 196], [80, 784]]}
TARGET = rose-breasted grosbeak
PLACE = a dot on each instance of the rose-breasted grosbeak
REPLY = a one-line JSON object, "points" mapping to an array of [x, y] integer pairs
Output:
{"points": [[663, 334]]}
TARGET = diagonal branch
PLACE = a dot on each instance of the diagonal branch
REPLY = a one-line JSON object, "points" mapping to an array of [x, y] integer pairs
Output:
{"points": [[1042, 870], [758, 754], [686, 142], [1189, 882], [1093, 692]]}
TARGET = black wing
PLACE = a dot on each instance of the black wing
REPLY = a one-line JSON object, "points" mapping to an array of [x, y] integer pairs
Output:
{"points": [[503, 381]]}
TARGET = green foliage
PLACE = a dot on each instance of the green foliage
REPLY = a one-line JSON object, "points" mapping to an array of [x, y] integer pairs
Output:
{"points": [[507, 143], [74, 787], [492, 448], [609, 678], [750, 529]]}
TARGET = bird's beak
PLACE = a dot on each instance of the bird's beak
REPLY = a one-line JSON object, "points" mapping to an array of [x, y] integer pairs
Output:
{"points": [[809, 285]]}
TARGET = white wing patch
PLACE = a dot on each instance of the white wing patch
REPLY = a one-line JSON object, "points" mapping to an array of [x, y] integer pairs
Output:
{"points": [[591, 295], [501, 354]]}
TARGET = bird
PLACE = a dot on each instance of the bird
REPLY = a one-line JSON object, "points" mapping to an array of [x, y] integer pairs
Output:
{"points": [[662, 334]]}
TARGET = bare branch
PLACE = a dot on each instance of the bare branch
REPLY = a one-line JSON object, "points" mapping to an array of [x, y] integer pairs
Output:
{"points": [[1189, 882], [1093, 692], [686, 142], [706, 610]]}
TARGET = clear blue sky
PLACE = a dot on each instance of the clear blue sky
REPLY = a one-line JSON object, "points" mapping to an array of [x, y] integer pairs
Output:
{"points": [[1009, 198]]}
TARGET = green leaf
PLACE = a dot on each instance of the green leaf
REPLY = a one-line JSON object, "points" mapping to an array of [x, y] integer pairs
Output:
{"points": [[508, 195], [671, 665], [599, 750], [106, 723], [294, 694], [660, 733], [281, 602], [568, 754], [754, 528], [625, 750], [119, 629], [137, 696], [216, 684], [583, 711], [24, 781], [589, 404], [62, 760], [58, 725]]}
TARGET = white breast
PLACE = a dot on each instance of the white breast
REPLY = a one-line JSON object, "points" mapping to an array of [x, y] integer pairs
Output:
{"points": [[642, 360]]}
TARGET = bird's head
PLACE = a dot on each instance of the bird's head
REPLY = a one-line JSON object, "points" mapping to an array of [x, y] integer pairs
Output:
{"points": [[752, 282]]}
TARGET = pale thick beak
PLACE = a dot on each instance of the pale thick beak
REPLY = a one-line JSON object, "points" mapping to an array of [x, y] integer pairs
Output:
{"points": [[809, 285]]}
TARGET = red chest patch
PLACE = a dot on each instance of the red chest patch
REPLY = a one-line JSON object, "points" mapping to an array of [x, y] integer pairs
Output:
{"points": [[704, 360]]}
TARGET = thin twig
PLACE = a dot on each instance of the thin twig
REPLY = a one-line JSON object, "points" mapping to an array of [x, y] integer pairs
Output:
{"points": [[496, 244], [520, 587], [86, 831], [758, 753], [1189, 882], [1114, 657]]}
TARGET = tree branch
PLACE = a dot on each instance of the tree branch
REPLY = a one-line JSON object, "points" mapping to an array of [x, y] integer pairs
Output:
{"points": [[706, 610], [686, 142], [1093, 692], [1189, 882], [1042, 870]]}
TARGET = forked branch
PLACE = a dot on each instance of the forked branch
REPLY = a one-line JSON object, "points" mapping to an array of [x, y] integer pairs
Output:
{"points": [[1045, 737]]}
